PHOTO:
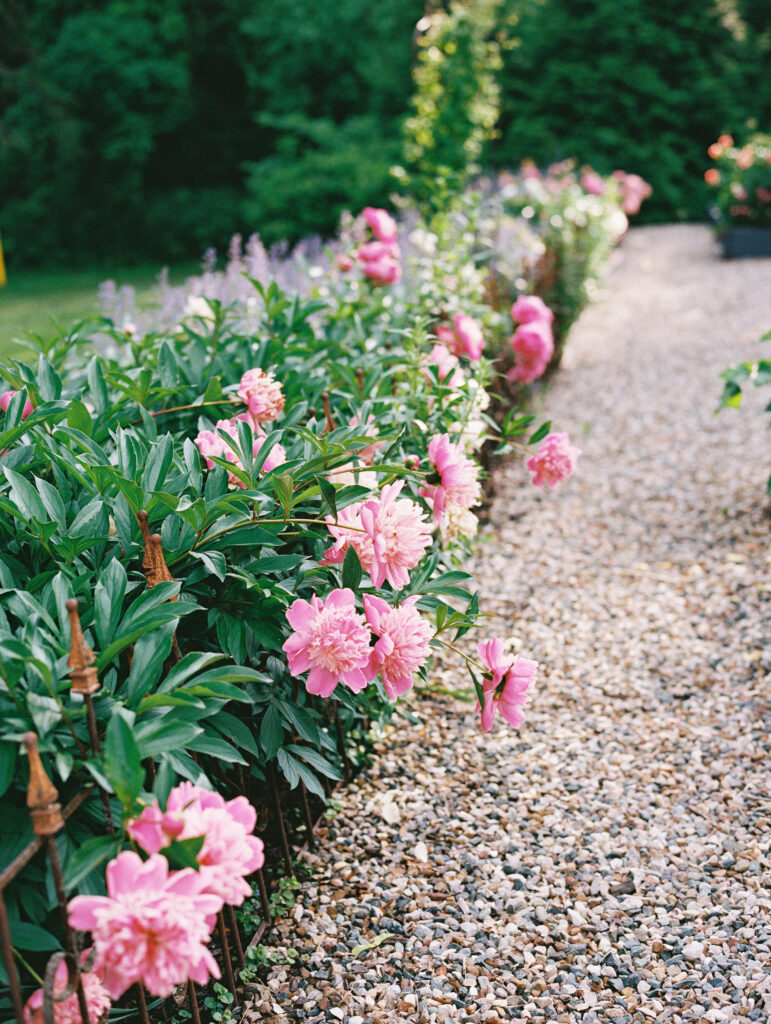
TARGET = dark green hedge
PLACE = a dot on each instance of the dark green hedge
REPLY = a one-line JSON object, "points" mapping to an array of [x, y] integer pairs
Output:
{"points": [[640, 86]]}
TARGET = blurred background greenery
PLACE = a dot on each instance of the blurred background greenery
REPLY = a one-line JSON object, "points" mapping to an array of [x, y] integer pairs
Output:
{"points": [[147, 130]]}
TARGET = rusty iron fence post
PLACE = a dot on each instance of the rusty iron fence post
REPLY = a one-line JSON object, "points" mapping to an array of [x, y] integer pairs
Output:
{"points": [[47, 819], [85, 681]]}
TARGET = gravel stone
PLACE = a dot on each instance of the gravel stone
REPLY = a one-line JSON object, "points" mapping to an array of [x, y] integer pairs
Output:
{"points": [[609, 861]]}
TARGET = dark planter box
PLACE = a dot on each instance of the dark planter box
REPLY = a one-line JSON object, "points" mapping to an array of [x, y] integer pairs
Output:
{"points": [[745, 241]]}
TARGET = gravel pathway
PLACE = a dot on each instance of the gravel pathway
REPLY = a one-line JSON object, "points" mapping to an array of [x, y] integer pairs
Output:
{"points": [[610, 860]]}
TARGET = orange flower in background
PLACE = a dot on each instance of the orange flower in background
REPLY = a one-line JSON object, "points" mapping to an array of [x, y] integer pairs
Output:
{"points": [[725, 140], [712, 176], [715, 150]]}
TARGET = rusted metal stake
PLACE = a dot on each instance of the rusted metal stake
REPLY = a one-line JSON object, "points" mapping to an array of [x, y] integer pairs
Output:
{"points": [[85, 681], [142, 1004], [307, 816], [236, 936], [264, 896], [223, 932], [280, 816], [193, 1000], [10, 965], [327, 411], [341, 746], [69, 936]]}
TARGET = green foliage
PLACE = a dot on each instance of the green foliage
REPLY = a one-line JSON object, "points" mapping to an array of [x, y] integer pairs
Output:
{"points": [[742, 176], [148, 117], [319, 170], [111, 435], [455, 101], [735, 378], [618, 84]]}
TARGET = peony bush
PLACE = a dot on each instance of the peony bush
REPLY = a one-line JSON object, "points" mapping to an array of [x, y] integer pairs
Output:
{"points": [[259, 507]]}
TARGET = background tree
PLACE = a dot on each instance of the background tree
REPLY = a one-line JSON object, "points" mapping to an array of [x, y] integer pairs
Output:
{"points": [[644, 87]]}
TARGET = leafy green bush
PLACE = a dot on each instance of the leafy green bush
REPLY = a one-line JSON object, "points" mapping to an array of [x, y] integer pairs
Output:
{"points": [[741, 178], [735, 378], [185, 537], [617, 84]]}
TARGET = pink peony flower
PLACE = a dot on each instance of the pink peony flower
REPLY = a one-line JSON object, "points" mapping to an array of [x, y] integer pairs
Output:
{"points": [[67, 1011], [469, 337], [367, 455], [332, 640], [403, 645], [634, 190], [533, 345], [712, 176], [506, 686], [399, 535], [446, 364], [211, 446], [446, 335], [5, 401], [458, 476], [349, 533], [380, 262], [464, 338], [382, 223], [262, 394], [229, 851], [593, 183], [344, 262], [531, 308], [152, 926], [554, 461]]}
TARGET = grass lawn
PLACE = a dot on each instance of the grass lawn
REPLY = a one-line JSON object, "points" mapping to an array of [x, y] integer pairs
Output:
{"points": [[33, 299]]}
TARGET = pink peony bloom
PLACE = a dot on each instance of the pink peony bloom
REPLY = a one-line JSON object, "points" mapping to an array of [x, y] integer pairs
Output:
{"points": [[593, 183], [349, 533], [5, 401], [229, 851], [469, 335], [531, 308], [554, 461], [403, 645], [527, 369], [367, 455], [446, 335], [151, 928], [634, 190], [344, 262], [67, 1011], [458, 476], [464, 338], [506, 686], [382, 223], [446, 364], [399, 535], [380, 262], [211, 446], [262, 394], [533, 345], [332, 640]]}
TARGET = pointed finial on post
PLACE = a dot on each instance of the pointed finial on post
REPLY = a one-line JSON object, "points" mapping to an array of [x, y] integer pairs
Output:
{"points": [[42, 796], [81, 660], [153, 561]]}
